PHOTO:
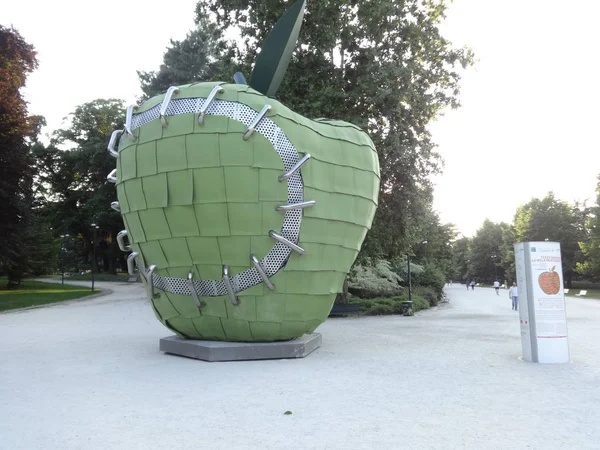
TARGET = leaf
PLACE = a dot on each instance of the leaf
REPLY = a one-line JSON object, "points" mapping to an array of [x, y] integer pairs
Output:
{"points": [[553, 267], [276, 52]]}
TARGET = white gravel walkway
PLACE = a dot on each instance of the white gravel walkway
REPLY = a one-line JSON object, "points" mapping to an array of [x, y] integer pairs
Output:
{"points": [[88, 375]]}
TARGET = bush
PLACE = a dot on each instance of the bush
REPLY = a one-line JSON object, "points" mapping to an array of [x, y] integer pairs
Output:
{"points": [[431, 277], [386, 306], [429, 294], [397, 308], [374, 281], [419, 303], [381, 310]]}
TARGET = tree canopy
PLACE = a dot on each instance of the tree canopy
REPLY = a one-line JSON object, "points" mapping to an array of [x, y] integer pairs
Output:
{"points": [[553, 220], [491, 250], [383, 66], [74, 167], [590, 242], [486, 252], [17, 60], [198, 57]]}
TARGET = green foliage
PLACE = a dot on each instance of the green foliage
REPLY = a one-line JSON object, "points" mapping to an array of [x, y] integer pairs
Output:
{"points": [[461, 255], [488, 256], [380, 310], [491, 250], [393, 305], [420, 303], [590, 247], [434, 246], [78, 193], [400, 267], [199, 57], [554, 220], [17, 60], [427, 280], [43, 257], [431, 295], [370, 281], [383, 66], [486, 252], [34, 293], [431, 276], [507, 255]]}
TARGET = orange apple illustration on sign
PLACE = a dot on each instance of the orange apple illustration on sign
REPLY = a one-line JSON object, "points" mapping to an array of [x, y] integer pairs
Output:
{"points": [[550, 281]]}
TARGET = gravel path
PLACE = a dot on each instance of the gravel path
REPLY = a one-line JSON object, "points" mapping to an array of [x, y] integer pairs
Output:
{"points": [[88, 375]]}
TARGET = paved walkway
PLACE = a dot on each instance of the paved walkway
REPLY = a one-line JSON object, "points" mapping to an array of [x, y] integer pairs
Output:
{"points": [[88, 375]]}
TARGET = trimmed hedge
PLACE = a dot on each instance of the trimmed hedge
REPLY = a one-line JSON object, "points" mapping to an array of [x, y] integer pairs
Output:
{"points": [[428, 294], [386, 306], [374, 281]]}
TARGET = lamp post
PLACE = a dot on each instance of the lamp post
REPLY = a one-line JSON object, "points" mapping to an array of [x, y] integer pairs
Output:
{"points": [[410, 277], [94, 252], [494, 257], [62, 257]]}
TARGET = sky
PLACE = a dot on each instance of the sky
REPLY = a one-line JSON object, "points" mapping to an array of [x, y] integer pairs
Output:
{"points": [[529, 111]]}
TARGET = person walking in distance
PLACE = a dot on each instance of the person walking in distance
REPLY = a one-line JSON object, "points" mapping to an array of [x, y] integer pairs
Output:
{"points": [[468, 283], [497, 287], [472, 285], [513, 293]]}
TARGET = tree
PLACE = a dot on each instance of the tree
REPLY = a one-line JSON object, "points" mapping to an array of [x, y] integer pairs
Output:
{"points": [[383, 66], [507, 254], [79, 193], [196, 58], [486, 252], [590, 244], [461, 256], [435, 245], [17, 60], [553, 220]]}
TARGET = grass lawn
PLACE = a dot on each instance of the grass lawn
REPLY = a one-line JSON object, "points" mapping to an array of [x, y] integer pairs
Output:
{"points": [[123, 277], [591, 293], [33, 293]]}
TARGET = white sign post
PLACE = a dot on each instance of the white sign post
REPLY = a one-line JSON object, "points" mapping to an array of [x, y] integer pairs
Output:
{"points": [[541, 302]]}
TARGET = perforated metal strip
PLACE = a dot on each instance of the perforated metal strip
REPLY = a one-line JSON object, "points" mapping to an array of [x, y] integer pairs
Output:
{"points": [[277, 257]]}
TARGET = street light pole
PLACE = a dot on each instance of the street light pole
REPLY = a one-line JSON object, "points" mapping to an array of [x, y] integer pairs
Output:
{"points": [[62, 257], [409, 278], [94, 252]]}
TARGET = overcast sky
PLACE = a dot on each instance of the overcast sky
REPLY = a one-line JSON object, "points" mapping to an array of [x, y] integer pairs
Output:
{"points": [[527, 125], [529, 119]]}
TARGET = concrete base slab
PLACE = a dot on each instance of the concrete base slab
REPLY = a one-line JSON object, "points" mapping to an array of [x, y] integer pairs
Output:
{"points": [[214, 351]]}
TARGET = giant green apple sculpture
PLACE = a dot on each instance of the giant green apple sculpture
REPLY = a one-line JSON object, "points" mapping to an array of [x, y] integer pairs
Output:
{"points": [[242, 216]]}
